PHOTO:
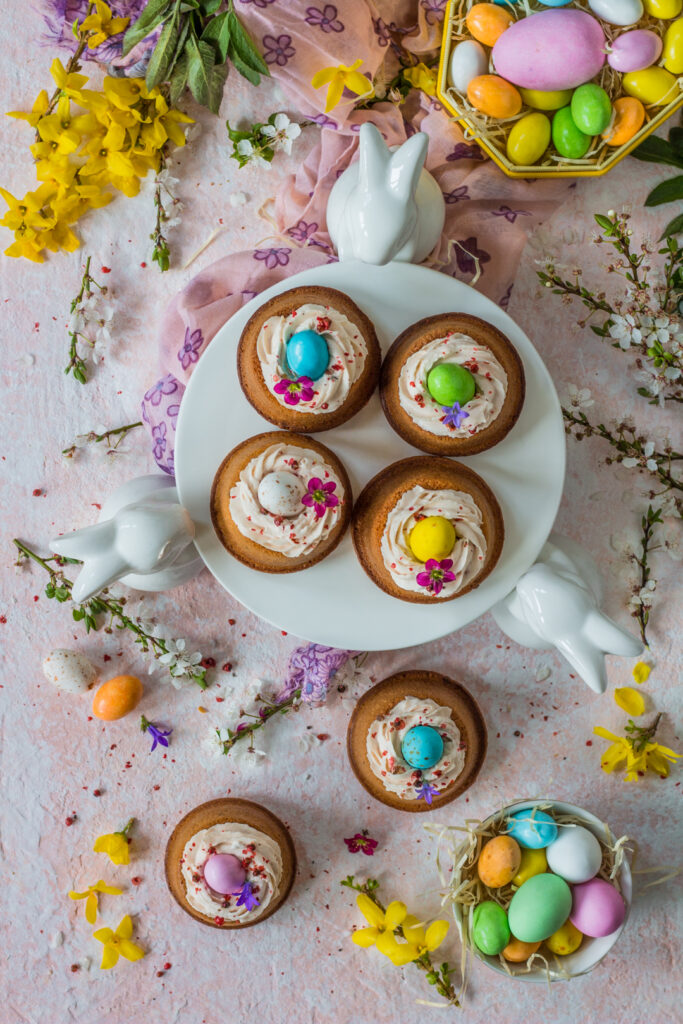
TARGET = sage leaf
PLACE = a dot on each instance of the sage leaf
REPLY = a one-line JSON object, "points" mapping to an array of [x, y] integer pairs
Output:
{"points": [[219, 73], [201, 62], [162, 59], [674, 227], [666, 192], [244, 47], [154, 13], [210, 6], [179, 78], [217, 32], [244, 69]]}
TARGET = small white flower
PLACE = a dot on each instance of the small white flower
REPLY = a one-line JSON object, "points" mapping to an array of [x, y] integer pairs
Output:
{"points": [[165, 178], [246, 149], [625, 330], [629, 462], [672, 373], [669, 507], [282, 133], [578, 398], [77, 322]]}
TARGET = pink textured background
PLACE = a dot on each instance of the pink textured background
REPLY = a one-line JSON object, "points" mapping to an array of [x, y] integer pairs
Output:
{"points": [[300, 966]]}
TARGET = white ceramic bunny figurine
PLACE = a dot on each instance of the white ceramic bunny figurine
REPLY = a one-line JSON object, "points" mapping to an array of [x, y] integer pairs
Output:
{"points": [[385, 206], [555, 604], [144, 538]]}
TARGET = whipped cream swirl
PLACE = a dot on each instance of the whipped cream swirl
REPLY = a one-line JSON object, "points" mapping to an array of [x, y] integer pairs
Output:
{"points": [[490, 378], [470, 545], [291, 536], [385, 737], [346, 345], [261, 859]]}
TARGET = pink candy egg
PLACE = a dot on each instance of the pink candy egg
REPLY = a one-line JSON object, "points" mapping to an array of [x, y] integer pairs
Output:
{"points": [[635, 51], [223, 872], [552, 50], [597, 908]]}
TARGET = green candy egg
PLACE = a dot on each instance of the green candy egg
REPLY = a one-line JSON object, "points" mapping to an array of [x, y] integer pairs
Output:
{"points": [[568, 140], [490, 928], [591, 109], [449, 383], [539, 907]]}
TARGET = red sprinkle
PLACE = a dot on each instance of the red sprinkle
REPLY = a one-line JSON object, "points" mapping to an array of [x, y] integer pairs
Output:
{"points": [[589, 743], [167, 967], [69, 821], [37, 492], [231, 622], [226, 668], [97, 792], [322, 736], [106, 270], [3, 620], [219, 700], [74, 968], [208, 662], [143, 264], [135, 880]]}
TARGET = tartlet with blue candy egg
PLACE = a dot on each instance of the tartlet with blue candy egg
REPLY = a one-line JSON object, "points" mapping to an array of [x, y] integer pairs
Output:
{"points": [[280, 501], [416, 741], [308, 359], [452, 384]]}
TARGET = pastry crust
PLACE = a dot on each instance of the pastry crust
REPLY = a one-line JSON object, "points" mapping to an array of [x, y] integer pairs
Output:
{"points": [[422, 333], [251, 374]]}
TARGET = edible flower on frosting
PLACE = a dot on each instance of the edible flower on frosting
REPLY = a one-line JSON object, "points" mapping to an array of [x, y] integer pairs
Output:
{"points": [[246, 897], [339, 78], [295, 391], [90, 897], [435, 575], [319, 496], [418, 941], [380, 921], [425, 792], [454, 415], [118, 944], [115, 844]]}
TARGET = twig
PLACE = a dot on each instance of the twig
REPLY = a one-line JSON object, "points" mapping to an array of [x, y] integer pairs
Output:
{"points": [[642, 611], [94, 438]]}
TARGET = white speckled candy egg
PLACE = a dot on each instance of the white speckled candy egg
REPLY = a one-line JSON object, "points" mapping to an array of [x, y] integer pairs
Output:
{"points": [[281, 494], [468, 60], [575, 855], [69, 671], [617, 12]]}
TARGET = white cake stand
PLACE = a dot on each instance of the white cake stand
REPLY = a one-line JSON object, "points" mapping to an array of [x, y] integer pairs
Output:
{"points": [[334, 602]]}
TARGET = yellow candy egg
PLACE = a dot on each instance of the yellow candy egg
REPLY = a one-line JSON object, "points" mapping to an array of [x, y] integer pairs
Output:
{"points": [[565, 940], [494, 96], [432, 537], [673, 47], [518, 952], [487, 22], [663, 9], [498, 861], [533, 862], [654, 86], [117, 697], [528, 139], [629, 114], [546, 100]]}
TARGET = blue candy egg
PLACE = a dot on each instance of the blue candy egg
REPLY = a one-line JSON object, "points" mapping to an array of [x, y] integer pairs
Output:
{"points": [[422, 747], [532, 829], [555, 3], [307, 354]]}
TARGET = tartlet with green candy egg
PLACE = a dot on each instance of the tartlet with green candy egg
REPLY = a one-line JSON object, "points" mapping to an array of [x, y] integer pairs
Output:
{"points": [[452, 384]]}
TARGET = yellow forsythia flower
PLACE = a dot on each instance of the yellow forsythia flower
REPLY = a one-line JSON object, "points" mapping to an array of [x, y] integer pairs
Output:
{"points": [[115, 845], [641, 672], [339, 78], [422, 77], [101, 24], [118, 944], [379, 920], [629, 700], [90, 897], [418, 941]]}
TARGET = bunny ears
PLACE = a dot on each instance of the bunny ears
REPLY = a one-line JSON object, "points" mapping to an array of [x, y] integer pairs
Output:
{"points": [[399, 171]]}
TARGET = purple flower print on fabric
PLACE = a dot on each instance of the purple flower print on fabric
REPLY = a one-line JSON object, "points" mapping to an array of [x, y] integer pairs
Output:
{"points": [[325, 122], [434, 10], [172, 413], [302, 232], [273, 257], [168, 385], [465, 151], [456, 195], [278, 50], [258, 3], [325, 18], [311, 669], [510, 215], [467, 253], [383, 31], [159, 439], [189, 353], [505, 301]]}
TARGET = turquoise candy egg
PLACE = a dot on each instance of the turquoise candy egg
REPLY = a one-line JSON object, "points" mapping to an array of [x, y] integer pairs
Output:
{"points": [[422, 747], [490, 928], [449, 383], [308, 354], [568, 140], [591, 109], [532, 829], [555, 3], [539, 907]]}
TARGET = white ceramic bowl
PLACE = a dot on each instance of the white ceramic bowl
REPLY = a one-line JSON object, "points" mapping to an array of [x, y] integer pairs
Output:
{"points": [[591, 951]]}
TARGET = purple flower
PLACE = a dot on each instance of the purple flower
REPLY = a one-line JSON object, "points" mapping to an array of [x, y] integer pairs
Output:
{"points": [[456, 195], [383, 31], [168, 385], [311, 669], [510, 215], [159, 735], [159, 439], [302, 232], [278, 50], [454, 415], [324, 121], [467, 254], [189, 352], [433, 10], [326, 19], [425, 792], [319, 496], [435, 575], [246, 897], [295, 391], [273, 257], [465, 151]]}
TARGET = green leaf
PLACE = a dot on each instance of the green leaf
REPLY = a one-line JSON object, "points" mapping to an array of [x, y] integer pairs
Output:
{"points": [[676, 141], [244, 69], [666, 192], [245, 48], [219, 73], [604, 222], [155, 12], [179, 78], [210, 6], [162, 59], [201, 58], [217, 32], [657, 151], [674, 227]]}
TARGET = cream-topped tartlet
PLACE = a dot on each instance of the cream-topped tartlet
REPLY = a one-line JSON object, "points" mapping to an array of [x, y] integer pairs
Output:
{"points": [[280, 502], [452, 385], [308, 359]]}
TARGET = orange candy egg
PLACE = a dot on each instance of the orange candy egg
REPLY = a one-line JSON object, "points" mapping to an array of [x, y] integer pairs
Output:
{"points": [[117, 698], [629, 114], [494, 96], [499, 861], [487, 22], [518, 952]]}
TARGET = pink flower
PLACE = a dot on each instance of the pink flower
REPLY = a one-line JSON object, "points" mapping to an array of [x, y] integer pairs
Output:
{"points": [[435, 575], [295, 391], [320, 496], [362, 843]]}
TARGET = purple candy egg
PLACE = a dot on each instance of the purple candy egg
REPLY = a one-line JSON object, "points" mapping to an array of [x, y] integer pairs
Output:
{"points": [[635, 51], [551, 50], [223, 872], [597, 908]]}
